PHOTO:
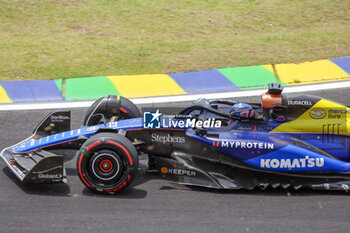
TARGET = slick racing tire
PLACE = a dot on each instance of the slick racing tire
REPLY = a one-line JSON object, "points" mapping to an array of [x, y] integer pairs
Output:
{"points": [[110, 106], [107, 163]]}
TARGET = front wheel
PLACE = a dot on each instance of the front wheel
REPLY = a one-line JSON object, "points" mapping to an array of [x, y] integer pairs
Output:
{"points": [[108, 108], [107, 163]]}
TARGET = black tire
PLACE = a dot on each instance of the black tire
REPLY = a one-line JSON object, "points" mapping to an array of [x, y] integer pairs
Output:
{"points": [[111, 106], [107, 163]]}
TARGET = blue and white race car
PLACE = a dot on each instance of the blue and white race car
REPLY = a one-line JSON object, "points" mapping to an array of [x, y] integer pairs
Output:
{"points": [[284, 141]]}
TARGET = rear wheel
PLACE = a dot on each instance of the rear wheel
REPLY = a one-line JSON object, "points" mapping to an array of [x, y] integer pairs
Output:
{"points": [[107, 163]]}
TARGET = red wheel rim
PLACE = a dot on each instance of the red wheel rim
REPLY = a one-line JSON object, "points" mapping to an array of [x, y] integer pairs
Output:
{"points": [[106, 165]]}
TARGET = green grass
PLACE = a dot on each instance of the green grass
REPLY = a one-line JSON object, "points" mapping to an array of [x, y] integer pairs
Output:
{"points": [[47, 39]]}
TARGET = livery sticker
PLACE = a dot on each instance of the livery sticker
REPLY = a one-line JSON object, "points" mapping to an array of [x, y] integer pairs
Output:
{"points": [[92, 128], [295, 159], [292, 163], [243, 144], [333, 113], [317, 113], [299, 102], [59, 118], [167, 139], [175, 171]]}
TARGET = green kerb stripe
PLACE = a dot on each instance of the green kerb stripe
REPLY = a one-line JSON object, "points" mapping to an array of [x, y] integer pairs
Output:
{"points": [[248, 77], [59, 84], [89, 88]]}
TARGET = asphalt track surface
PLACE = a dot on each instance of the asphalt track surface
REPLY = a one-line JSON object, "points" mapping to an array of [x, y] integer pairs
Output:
{"points": [[156, 205]]}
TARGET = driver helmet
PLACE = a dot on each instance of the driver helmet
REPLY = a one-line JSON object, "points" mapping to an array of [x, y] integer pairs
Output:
{"points": [[242, 110]]}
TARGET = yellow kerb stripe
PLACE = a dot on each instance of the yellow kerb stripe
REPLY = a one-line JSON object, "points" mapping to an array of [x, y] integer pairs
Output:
{"points": [[310, 72], [3, 96], [132, 86], [269, 68]]}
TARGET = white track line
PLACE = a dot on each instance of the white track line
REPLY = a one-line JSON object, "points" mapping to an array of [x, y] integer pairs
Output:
{"points": [[176, 98]]}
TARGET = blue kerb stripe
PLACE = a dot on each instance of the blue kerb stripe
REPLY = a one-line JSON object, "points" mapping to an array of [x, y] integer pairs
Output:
{"points": [[26, 91], [343, 63], [203, 81]]}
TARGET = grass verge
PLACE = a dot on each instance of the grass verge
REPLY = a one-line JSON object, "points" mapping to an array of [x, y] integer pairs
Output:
{"points": [[47, 39]]}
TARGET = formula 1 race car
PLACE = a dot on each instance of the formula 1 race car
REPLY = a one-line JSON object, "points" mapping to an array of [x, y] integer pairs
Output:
{"points": [[284, 141]]}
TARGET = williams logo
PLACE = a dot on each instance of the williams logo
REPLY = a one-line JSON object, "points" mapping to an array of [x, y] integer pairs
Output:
{"points": [[317, 113], [151, 120]]}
